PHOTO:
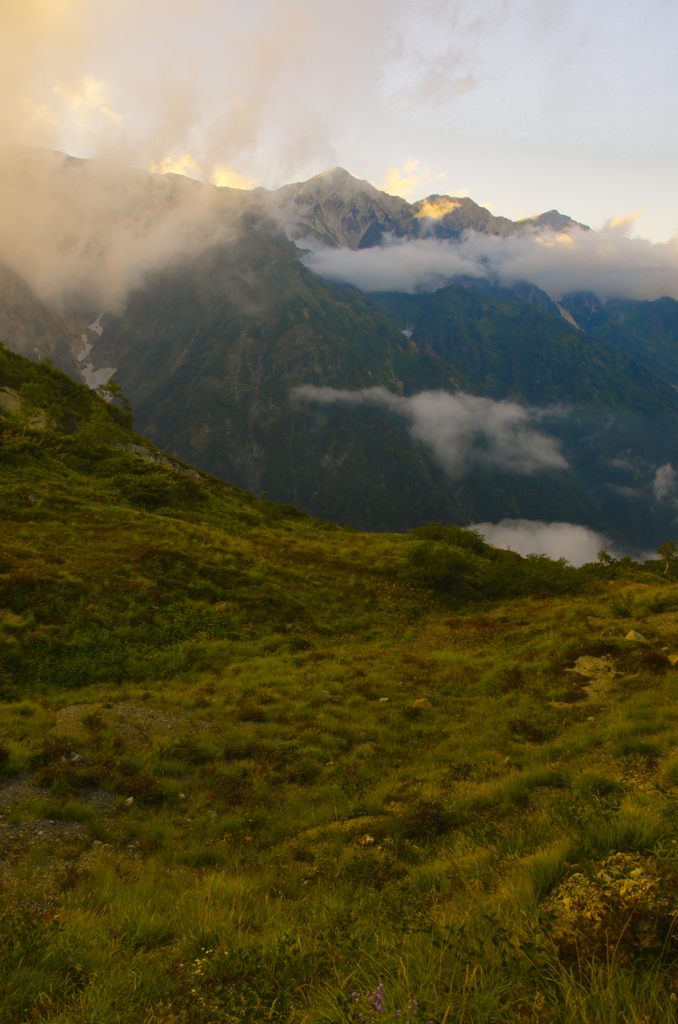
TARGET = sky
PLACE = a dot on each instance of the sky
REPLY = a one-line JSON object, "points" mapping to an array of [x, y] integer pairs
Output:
{"points": [[524, 105]]}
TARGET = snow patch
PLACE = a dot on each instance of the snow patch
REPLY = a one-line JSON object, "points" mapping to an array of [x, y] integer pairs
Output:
{"points": [[85, 350], [95, 378], [567, 316], [96, 326]]}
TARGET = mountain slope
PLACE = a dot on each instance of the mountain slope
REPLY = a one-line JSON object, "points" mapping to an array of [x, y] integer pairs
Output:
{"points": [[646, 330], [210, 353], [28, 328]]}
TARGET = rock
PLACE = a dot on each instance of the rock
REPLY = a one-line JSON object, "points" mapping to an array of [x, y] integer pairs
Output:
{"points": [[423, 704], [289, 626], [182, 796], [597, 675], [129, 801], [633, 635], [383, 700], [97, 844], [76, 758]]}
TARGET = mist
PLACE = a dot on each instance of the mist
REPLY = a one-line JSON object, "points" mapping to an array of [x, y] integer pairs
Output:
{"points": [[93, 230], [577, 544], [606, 262], [462, 431]]}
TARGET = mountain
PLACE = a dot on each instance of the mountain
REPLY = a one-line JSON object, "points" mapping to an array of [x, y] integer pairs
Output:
{"points": [[212, 322], [336, 209], [210, 354]]}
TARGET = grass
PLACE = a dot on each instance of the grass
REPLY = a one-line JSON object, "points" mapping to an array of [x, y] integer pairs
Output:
{"points": [[280, 823]]}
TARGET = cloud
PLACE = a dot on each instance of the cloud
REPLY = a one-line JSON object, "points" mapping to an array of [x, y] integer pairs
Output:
{"points": [[226, 177], [400, 266], [606, 262], [185, 165], [92, 230], [665, 483], [435, 87], [578, 544], [461, 430]]}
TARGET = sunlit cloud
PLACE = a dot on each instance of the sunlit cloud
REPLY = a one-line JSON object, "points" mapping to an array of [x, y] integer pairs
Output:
{"points": [[403, 181], [86, 102], [75, 108], [185, 165], [226, 177], [624, 223], [434, 209]]}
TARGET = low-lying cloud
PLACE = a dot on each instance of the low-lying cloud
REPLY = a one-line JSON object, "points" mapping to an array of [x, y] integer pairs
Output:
{"points": [[606, 262], [577, 544], [461, 430], [94, 230]]}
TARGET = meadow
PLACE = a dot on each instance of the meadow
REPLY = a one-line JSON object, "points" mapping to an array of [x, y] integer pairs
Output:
{"points": [[258, 767]]}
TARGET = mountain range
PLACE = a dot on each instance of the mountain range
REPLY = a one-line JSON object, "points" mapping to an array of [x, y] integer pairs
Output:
{"points": [[218, 333]]}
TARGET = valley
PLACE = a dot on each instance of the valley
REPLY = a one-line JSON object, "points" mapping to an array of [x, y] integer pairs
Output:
{"points": [[211, 343]]}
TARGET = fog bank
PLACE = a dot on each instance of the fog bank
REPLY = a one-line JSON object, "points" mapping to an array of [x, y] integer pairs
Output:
{"points": [[606, 262], [577, 544], [461, 430]]}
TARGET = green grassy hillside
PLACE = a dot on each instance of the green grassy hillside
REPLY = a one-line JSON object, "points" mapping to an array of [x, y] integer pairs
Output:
{"points": [[255, 767]]}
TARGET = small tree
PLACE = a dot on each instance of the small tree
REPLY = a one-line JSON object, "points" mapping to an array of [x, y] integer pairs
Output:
{"points": [[668, 553], [111, 391]]}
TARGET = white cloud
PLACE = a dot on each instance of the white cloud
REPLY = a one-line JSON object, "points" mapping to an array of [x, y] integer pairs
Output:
{"points": [[578, 544], [94, 229], [400, 266], [665, 482], [461, 430], [606, 262]]}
